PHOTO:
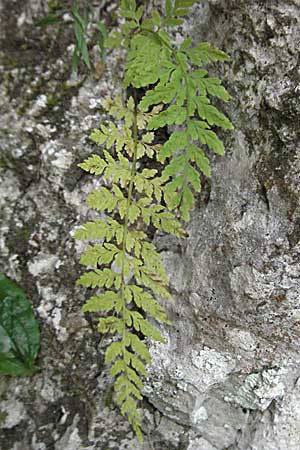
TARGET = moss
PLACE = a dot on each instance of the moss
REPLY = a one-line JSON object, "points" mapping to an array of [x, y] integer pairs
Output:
{"points": [[52, 101], [54, 6], [8, 61], [108, 396], [18, 239], [3, 163], [64, 92], [36, 90], [3, 416]]}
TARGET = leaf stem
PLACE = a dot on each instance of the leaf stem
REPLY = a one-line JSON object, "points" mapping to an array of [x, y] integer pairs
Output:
{"points": [[126, 223]]}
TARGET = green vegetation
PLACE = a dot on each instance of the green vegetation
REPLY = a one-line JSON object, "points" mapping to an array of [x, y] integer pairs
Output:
{"points": [[19, 332], [83, 18], [146, 184]]}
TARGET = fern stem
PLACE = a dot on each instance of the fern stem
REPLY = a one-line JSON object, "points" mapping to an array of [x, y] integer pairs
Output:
{"points": [[126, 219]]}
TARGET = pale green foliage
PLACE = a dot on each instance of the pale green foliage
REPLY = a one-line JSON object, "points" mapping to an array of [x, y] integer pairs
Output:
{"points": [[185, 88], [188, 88], [123, 265], [126, 266]]}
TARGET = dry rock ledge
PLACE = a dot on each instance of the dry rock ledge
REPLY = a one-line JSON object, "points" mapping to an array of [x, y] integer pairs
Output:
{"points": [[228, 378]]}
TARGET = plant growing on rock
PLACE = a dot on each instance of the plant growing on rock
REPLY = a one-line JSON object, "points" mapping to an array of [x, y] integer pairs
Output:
{"points": [[166, 85]]}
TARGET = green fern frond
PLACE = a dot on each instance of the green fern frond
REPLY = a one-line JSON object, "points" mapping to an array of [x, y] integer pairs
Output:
{"points": [[134, 197], [126, 267], [188, 89]]}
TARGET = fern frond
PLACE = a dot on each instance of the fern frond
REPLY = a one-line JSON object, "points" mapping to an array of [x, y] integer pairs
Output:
{"points": [[125, 267], [188, 89], [131, 196]]}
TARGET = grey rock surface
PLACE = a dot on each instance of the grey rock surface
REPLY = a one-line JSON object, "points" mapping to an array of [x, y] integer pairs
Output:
{"points": [[228, 378]]}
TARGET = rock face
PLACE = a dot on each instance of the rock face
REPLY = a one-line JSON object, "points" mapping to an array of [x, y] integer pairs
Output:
{"points": [[228, 378]]}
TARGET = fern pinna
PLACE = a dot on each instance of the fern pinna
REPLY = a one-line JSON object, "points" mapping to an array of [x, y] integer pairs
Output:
{"points": [[127, 268]]}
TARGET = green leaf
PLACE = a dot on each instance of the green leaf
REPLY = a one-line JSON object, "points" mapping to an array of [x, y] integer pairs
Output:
{"points": [[133, 213], [75, 59], [98, 278], [94, 164], [193, 177], [210, 138], [197, 155], [110, 324], [102, 302], [50, 19], [138, 365], [210, 85], [112, 351], [168, 8], [173, 22], [187, 203], [99, 255], [205, 53], [78, 19], [177, 141], [173, 115], [143, 65], [19, 332], [150, 331], [160, 94], [139, 348], [85, 54], [117, 367], [212, 115], [156, 18], [176, 165], [92, 230], [102, 199], [98, 137], [186, 44], [79, 36]]}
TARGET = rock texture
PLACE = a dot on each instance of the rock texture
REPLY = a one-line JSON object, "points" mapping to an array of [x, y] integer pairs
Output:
{"points": [[228, 378]]}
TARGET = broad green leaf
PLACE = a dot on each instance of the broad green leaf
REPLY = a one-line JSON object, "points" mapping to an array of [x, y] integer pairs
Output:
{"points": [[19, 332], [168, 8]]}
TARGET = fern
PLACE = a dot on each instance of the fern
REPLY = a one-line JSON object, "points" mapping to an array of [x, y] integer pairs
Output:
{"points": [[124, 266], [184, 87], [131, 269]]}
